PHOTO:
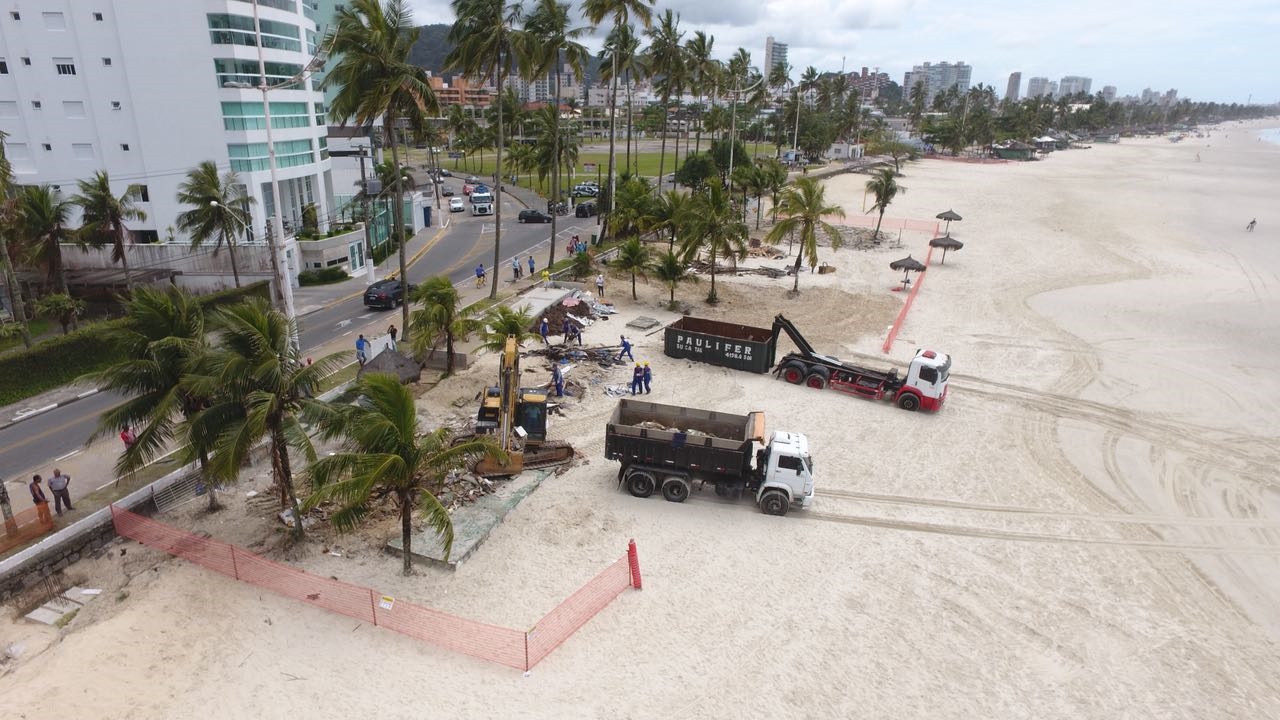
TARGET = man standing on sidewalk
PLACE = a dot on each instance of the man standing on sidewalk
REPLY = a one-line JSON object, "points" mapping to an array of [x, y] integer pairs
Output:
{"points": [[362, 350], [600, 285], [40, 501], [515, 269], [531, 266], [61, 495]]}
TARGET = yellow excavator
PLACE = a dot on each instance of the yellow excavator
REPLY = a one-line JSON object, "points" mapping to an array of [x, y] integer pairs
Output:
{"points": [[517, 417]]}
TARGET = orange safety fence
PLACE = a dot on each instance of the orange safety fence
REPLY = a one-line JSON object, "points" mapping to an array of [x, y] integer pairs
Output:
{"points": [[911, 298], [513, 648], [26, 525]]}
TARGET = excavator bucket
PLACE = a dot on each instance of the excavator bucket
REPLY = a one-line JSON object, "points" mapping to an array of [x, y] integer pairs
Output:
{"points": [[488, 467]]}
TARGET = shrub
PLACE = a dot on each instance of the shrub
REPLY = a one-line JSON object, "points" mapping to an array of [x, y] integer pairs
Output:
{"points": [[323, 276], [61, 360]]}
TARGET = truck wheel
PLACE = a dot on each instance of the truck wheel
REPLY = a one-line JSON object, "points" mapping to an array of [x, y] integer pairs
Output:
{"points": [[775, 502], [640, 484], [793, 373], [908, 402], [817, 380], [675, 489]]}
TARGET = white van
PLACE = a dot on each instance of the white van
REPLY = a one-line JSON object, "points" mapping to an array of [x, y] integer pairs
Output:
{"points": [[481, 197], [482, 208]]}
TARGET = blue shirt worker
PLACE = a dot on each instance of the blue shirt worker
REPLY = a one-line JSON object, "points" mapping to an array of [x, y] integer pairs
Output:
{"points": [[515, 268], [480, 274], [557, 378], [648, 377], [542, 330], [531, 266], [637, 379], [362, 350], [626, 349]]}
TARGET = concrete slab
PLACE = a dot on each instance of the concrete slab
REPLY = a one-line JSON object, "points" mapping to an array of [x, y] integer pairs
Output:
{"points": [[473, 523], [80, 595], [539, 299], [52, 612], [643, 323]]}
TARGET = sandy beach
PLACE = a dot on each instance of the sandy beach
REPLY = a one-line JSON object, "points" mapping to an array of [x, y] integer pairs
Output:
{"points": [[1090, 528]]}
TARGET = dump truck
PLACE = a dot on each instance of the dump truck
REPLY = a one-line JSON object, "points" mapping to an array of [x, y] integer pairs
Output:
{"points": [[675, 449], [742, 347]]}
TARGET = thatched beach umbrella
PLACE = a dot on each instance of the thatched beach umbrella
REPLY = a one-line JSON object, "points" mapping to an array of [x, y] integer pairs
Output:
{"points": [[907, 265], [946, 242], [949, 216]]}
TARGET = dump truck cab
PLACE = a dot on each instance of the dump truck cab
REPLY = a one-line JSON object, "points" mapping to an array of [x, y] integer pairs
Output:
{"points": [[927, 377], [785, 466]]}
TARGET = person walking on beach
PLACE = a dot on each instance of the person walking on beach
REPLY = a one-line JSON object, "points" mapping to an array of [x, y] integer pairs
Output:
{"points": [[637, 379], [392, 332], [557, 378], [1251, 224], [362, 350], [61, 495], [543, 328], [648, 377], [39, 500], [626, 349], [600, 285]]}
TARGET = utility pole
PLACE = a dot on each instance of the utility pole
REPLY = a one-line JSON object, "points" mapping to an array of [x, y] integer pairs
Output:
{"points": [[368, 221]]}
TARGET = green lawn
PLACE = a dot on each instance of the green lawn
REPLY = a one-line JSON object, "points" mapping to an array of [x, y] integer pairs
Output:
{"points": [[37, 328]]}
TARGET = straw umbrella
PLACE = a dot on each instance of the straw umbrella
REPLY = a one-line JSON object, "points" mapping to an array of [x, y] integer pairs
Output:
{"points": [[907, 265], [949, 216], [946, 242]]}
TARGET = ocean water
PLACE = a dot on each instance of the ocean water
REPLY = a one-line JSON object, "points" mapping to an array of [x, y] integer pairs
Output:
{"points": [[1271, 135]]}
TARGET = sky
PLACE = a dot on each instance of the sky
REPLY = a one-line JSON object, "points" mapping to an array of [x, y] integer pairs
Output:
{"points": [[1224, 51]]}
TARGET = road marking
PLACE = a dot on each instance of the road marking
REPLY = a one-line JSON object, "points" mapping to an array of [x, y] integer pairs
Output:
{"points": [[366, 316], [64, 457], [346, 333], [36, 411], [344, 323], [86, 394]]}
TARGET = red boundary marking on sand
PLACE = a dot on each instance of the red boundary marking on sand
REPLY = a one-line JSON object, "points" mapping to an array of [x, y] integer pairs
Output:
{"points": [[911, 298]]}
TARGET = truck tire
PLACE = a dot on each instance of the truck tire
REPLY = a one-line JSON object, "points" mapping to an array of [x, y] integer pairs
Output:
{"points": [[774, 502], [675, 489], [793, 372], [640, 484], [817, 379], [909, 402]]}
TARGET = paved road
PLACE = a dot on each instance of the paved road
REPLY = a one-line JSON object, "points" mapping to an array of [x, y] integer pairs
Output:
{"points": [[41, 440]]}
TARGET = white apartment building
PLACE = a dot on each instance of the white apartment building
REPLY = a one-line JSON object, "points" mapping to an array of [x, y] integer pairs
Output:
{"points": [[937, 78], [139, 88], [775, 53]]}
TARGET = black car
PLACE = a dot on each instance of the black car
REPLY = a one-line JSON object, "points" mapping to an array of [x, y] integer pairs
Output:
{"points": [[533, 216], [446, 192], [386, 294], [586, 209]]}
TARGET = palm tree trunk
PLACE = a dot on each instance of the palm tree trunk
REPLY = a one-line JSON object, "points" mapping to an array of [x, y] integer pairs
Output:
{"points": [[230, 242], [448, 350], [124, 260], [209, 488], [629, 122], [759, 201], [497, 205], [406, 529], [555, 169], [876, 235], [712, 297], [613, 119], [633, 285], [397, 218], [19, 308], [796, 287], [284, 476]]}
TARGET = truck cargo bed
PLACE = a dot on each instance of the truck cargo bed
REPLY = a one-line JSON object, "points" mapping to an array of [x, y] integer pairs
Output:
{"points": [[682, 438], [730, 345]]}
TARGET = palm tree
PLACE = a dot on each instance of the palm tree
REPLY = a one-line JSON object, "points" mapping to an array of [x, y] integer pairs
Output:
{"points": [[633, 257], [808, 82], [260, 384], [631, 210], [219, 210], [672, 271], [714, 227], [774, 175], [666, 60], [700, 65], [163, 342], [375, 79], [10, 229], [803, 207], [103, 216], [668, 214], [502, 321], [884, 186], [62, 307], [45, 214], [631, 64], [918, 95], [386, 454], [485, 41], [440, 319], [622, 12], [552, 44]]}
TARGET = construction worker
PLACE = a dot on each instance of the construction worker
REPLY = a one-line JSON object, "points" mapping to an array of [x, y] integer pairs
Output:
{"points": [[542, 330], [637, 379], [626, 348], [573, 333], [557, 378], [648, 377], [565, 329]]}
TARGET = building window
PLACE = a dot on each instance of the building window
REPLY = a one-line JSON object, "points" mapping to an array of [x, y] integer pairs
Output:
{"points": [[65, 66], [36, 105], [15, 15], [286, 5], [231, 70], [73, 109], [4, 67], [47, 147], [144, 193], [97, 17], [106, 62], [82, 151], [54, 21], [249, 116], [252, 157], [320, 115], [26, 61], [227, 29], [125, 147]]}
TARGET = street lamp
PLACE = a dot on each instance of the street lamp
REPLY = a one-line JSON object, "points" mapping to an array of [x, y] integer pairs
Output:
{"points": [[733, 122], [275, 238]]}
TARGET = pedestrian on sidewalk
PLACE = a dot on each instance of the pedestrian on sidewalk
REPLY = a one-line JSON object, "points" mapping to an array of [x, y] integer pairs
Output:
{"points": [[546, 276], [392, 331], [626, 348], [515, 268], [648, 377], [362, 350], [61, 495], [480, 275], [39, 500], [532, 265], [127, 437], [637, 379], [600, 285], [543, 328]]}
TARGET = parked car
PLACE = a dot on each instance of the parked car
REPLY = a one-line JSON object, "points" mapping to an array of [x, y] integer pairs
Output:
{"points": [[456, 205], [472, 180], [586, 209], [445, 173], [585, 191], [446, 192], [533, 216], [386, 293], [467, 188]]}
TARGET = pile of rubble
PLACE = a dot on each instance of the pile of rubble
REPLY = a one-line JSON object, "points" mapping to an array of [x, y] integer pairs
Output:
{"points": [[704, 267], [654, 425], [463, 488]]}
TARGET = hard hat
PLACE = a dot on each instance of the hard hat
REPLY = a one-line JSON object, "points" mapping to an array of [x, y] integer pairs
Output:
{"points": [[646, 364]]}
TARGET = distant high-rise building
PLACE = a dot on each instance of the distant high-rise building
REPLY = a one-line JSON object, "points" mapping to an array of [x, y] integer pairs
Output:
{"points": [[868, 84], [1171, 97], [1109, 93], [1052, 90], [1011, 91], [1037, 86], [937, 78], [775, 54], [1073, 84]]}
